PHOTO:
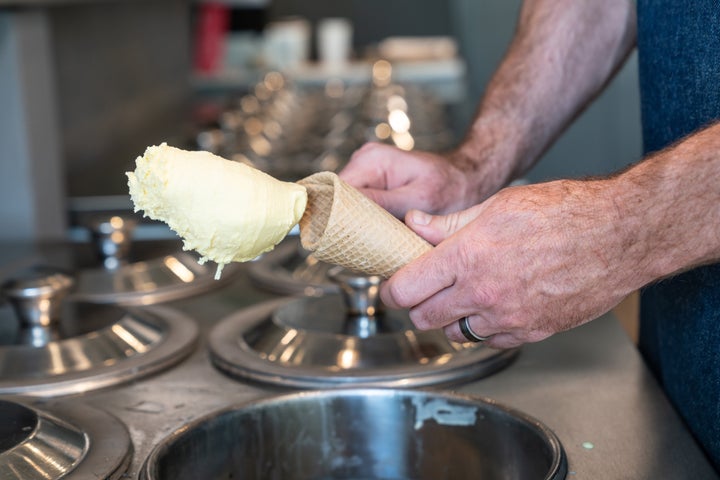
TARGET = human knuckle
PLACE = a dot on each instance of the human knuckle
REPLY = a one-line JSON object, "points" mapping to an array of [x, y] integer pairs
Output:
{"points": [[397, 295], [421, 320], [484, 296], [451, 222], [513, 323]]}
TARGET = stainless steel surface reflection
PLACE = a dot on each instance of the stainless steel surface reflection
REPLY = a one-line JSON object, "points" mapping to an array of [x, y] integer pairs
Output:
{"points": [[291, 270], [147, 282], [361, 434], [93, 347], [305, 343], [51, 449], [120, 271], [69, 442]]}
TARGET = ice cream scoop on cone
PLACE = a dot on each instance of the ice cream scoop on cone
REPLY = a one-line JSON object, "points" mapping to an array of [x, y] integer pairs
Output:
{"points": [[230, 212], [224, 210], [343, 227]]}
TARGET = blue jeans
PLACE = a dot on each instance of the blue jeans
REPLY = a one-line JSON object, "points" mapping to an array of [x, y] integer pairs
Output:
{"points": [[679, 64]]}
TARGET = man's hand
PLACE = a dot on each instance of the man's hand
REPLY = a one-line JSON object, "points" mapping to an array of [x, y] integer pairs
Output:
{"points": [[529, 262], [399, 180]]}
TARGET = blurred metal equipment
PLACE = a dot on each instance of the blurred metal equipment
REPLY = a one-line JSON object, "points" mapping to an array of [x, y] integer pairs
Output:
{"points": [[359, 433], [347, 339], [292, 131], [57, 348], [289, 269]]}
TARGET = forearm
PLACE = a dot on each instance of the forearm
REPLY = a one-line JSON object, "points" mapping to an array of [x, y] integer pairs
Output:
{"points": [[562, 55], [668, 207]]}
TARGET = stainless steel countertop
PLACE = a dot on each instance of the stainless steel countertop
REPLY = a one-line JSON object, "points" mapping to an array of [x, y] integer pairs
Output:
{"points": [[588, 385]]}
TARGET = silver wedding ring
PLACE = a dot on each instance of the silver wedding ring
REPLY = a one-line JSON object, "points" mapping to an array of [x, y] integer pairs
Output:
{"points": [[468, 332]]}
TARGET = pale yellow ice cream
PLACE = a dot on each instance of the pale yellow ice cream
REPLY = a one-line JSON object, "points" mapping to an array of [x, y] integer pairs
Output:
{"points": [[225, 210]]}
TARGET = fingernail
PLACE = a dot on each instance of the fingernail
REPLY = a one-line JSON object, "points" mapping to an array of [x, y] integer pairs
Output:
{"points": [[420, 218]]}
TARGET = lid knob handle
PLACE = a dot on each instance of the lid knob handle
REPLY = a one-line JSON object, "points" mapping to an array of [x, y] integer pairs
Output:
{"points": [[36, 296], [361, 294], [112, 237]]}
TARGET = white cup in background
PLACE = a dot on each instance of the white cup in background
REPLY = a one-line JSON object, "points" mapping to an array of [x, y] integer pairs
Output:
{"points": [[334, 41], [287, 43]]}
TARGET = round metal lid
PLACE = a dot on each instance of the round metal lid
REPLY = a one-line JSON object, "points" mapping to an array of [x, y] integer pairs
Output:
{"points": [[64, 441], [87, 347], [120, 276], [314, 343], [291, 270], [157, 280]]}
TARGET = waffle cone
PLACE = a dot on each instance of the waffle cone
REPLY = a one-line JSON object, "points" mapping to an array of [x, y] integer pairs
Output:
{"points": [[343, 227]]}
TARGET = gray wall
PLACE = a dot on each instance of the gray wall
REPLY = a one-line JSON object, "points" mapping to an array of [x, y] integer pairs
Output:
{"points": [[84, 88], [31, 186], [123, 77]]}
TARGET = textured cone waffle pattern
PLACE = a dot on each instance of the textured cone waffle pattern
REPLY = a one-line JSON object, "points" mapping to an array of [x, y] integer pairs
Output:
{"points": [[344, 227]]}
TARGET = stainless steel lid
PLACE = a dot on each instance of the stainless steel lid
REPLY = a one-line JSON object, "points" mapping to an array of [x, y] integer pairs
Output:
{"points": [[361, 434], [164, 279], [52, 347], [126, 279], [291, 270], [346, 339], [71, 441]]}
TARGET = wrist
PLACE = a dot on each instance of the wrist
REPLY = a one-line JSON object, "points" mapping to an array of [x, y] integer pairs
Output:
{"points": [[665, 226], [626, 208], [489, 156]]}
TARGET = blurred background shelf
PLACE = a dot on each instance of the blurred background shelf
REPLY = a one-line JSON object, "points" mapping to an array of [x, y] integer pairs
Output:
{"points": [[446, 78]]}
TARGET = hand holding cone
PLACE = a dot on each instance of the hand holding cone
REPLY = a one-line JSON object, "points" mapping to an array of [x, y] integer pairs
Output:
{"points": [[344, 227]]}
